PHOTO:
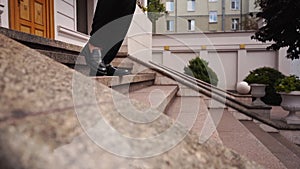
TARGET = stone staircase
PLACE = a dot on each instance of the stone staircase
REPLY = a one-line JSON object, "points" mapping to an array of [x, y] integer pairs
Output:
{"points": [[195, 111], [207, 120], [48, 117]]}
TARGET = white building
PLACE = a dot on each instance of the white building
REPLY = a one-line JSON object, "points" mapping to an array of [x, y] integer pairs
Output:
{"points": [[64, 20]]}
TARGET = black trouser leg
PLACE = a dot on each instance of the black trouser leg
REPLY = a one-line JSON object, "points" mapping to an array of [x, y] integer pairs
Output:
{"points": [[110, 25]]}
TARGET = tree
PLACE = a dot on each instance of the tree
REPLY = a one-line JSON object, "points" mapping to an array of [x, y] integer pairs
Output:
{"points": [[155, 10], [199, 69], [282, 25], [250, 23]]}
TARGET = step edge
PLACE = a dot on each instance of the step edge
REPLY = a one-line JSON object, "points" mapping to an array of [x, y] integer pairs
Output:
{"points": [[112, 81], [251, 126]]}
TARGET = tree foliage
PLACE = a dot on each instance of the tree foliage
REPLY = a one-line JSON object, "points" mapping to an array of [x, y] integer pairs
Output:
{"points": [[288, 84], [250, 23], [269, 76], [282, 25], [155, 10]]}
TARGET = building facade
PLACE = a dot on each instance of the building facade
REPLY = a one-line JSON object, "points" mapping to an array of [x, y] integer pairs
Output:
{"points": [[206, 16], [64, 20]]}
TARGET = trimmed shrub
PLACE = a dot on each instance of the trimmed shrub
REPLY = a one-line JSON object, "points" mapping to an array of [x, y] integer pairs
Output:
{"points": [[288, 84], [269, 76], [199, 69]]}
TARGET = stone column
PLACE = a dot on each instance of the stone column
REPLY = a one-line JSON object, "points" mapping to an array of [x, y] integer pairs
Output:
{"points": [[242, 54], [166, 55], [203, 52]]}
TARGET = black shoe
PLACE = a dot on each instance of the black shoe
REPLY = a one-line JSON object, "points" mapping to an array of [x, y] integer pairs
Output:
{"points": [[94, 61], [112, 71]]}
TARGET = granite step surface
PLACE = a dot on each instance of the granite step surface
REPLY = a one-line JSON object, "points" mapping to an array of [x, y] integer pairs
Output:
{"points": [[291, 146], [128, 83], [236, 136], [123, 65], [155, 97], [192, 113], [218, 125], [76, 59], [280, 150]]}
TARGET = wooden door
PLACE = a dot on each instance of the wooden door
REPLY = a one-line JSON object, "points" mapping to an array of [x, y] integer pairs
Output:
{"points": [[32, 16]]}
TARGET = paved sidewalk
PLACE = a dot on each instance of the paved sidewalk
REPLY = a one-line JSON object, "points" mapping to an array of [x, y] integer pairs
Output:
{"points": [[237, 137]]}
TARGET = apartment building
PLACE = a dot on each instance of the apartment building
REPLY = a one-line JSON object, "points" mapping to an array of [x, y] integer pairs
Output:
{"points": [[206, 15]]}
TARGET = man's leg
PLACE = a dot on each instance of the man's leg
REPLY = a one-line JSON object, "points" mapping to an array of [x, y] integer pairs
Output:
{"points": [[111, 34], [125, 11], [110, 25]]}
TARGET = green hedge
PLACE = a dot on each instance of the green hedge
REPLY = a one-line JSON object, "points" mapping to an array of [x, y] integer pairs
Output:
{"points": [[270, 76], [199, 69]]}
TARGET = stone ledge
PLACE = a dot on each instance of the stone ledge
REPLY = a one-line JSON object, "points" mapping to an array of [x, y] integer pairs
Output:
{"points": [[59, 51], [37, 40], [123, 80]]}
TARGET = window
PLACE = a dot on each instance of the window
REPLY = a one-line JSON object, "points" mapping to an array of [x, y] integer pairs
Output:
{"points": [[191, 25], [191, 5], [170, 25], [84, 16], [213, 16], [82, 24], [170, 5], [235, 24], [235, 4]]}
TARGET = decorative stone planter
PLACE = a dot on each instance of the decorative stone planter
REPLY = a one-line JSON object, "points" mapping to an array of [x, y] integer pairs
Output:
{"points": [[291, 102], [258, 91]]}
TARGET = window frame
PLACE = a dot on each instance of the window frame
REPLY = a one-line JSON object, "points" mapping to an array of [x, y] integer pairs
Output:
{"points": [[211, 20], [170, 25], [171, 5], [191, 24], [235, 25], [235, 4], [191, 5]]}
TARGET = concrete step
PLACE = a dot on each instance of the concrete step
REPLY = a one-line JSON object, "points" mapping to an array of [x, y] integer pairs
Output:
{"points": [[294, 148], [124, 48], [129, 83], [192, 113], [117, 62], [236, 136], [281, 149], [82, 67], [76, 58], [155, 97]]}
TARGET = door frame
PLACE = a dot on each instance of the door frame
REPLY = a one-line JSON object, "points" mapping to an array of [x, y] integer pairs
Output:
{"points": [[49, 16]]}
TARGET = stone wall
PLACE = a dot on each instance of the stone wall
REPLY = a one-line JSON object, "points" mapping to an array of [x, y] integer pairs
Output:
{"points": [[232, 55]]}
